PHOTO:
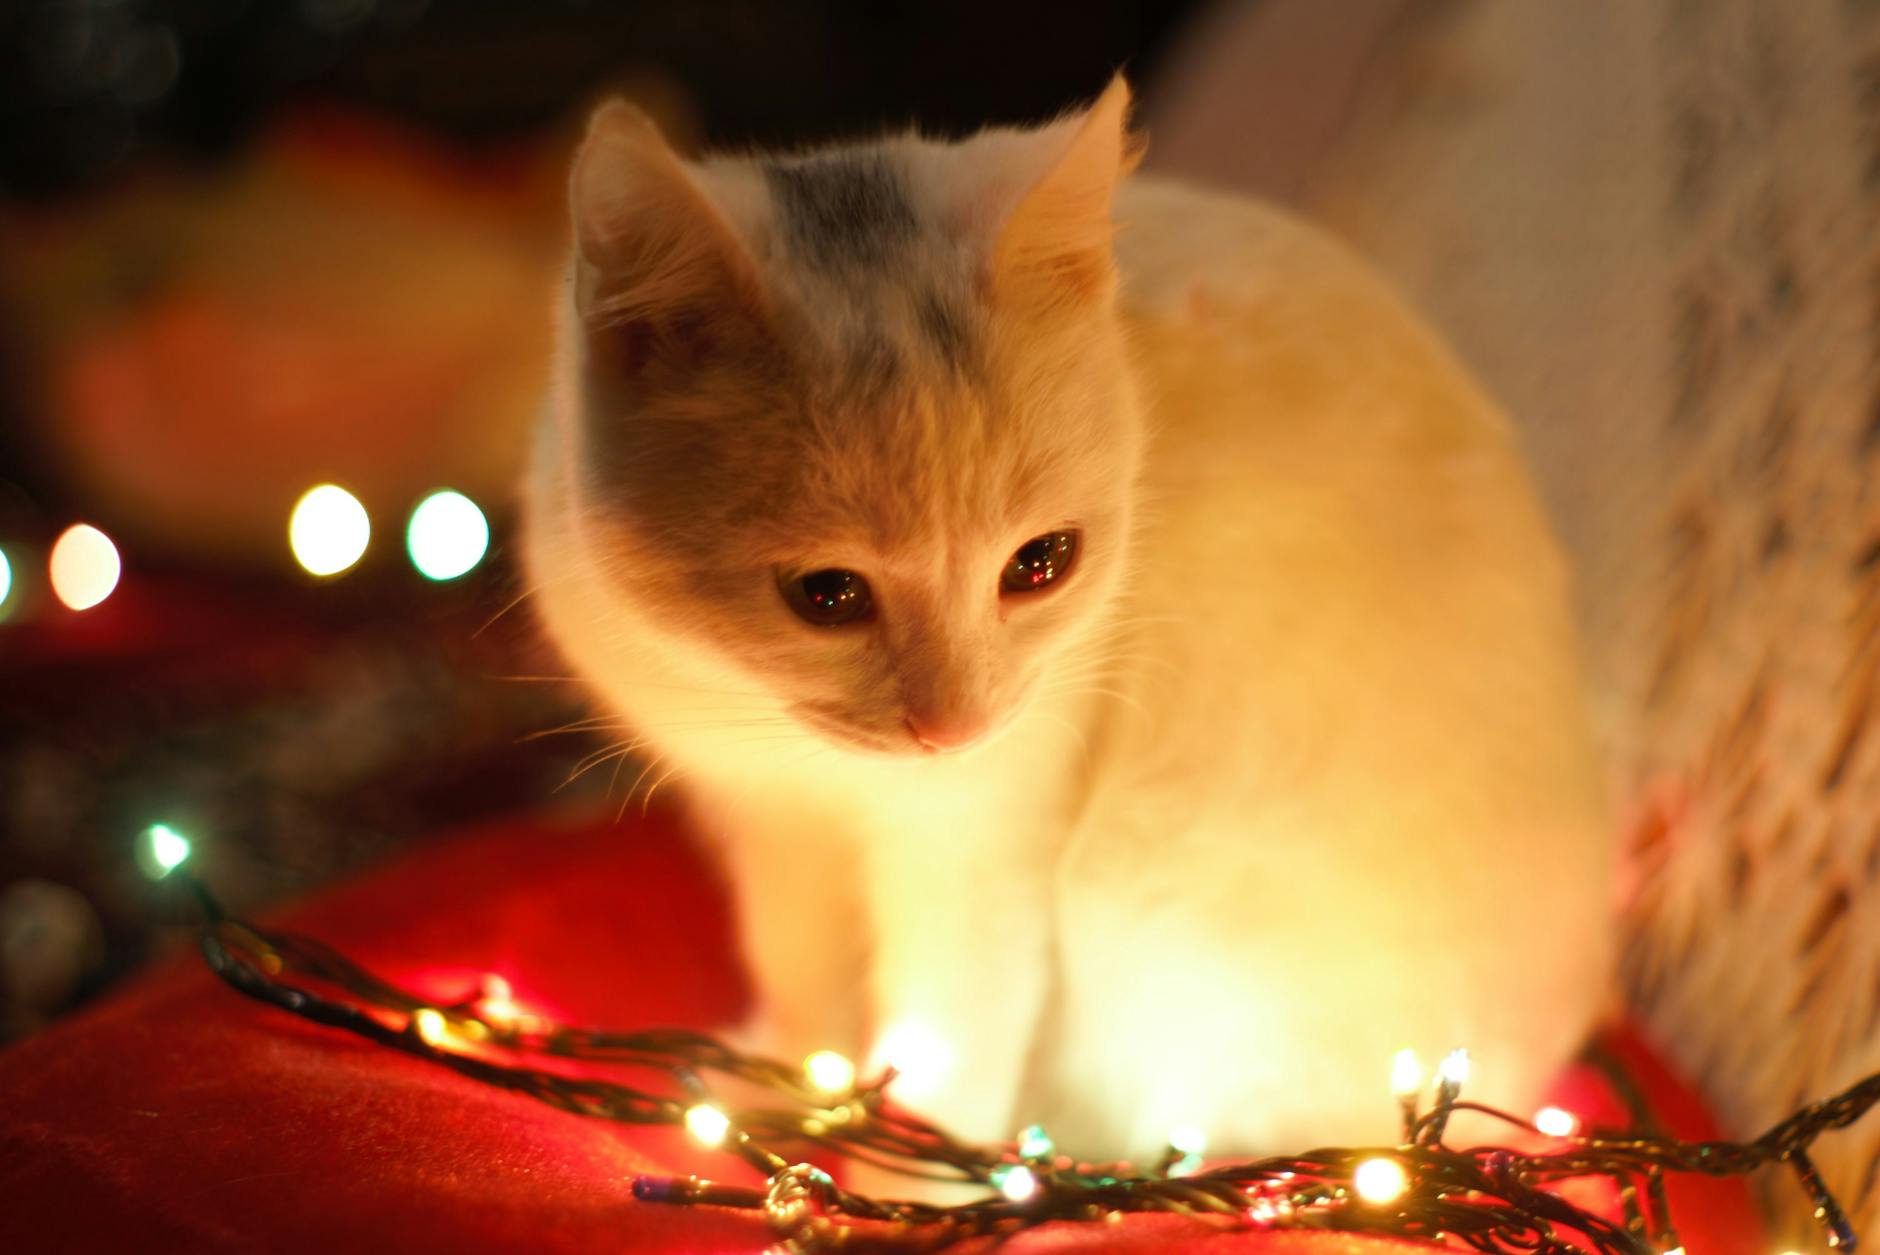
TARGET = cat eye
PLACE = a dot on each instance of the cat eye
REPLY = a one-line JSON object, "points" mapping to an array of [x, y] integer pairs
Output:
{"points": [[828, 598], [1039, 562]]}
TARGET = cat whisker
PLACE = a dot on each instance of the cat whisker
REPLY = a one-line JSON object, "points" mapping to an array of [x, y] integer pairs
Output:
{"points": [[1128, 699], [507, 606], [615, 753], [599, 723]]}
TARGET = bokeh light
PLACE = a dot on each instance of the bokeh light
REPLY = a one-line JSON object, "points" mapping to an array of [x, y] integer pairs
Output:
{"points": [[830, 1072], [1380, 1180], [161, 849], [1015, 1181], [1556, 1122], [84, 566], [329, 530], [447, 535], [6, 583], [707, 1124], [920, 1057]]}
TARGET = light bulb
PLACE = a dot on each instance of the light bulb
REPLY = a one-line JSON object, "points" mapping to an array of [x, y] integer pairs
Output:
{"points": [[1455, 1067], [919, 1056], [706, 1123], [447, 535], [161, 849], [328, 530], [1189, 1139], [1035, 1143], [84, 566], [1556, 1122], [1406, 1073], [1015, 1181], [1380, 1180], [431, 1025], [829, 1072]]}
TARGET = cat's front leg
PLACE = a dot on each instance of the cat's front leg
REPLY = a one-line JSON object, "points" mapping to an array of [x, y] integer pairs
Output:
{"points": [[961, 965], [802, 928]]}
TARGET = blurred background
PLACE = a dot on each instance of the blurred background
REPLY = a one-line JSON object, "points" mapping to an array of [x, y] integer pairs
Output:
{"points": [[248, 249]]}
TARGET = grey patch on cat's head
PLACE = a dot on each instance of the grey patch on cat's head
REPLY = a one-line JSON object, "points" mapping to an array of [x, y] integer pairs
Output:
{"points": [[944, 326], [842, 210]]}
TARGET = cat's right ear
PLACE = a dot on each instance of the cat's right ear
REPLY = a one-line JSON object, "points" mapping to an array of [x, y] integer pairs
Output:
{"points": [[659, 273]]}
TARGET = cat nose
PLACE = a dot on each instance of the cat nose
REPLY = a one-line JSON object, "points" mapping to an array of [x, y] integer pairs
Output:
{"points": [[944, 734]]}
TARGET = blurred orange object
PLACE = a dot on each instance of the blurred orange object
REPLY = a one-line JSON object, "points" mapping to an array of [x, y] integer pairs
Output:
{"points": [[354, 304]]}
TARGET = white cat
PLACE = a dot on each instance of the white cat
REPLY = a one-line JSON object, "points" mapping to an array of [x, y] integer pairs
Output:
{"points": [[1130, 682]]}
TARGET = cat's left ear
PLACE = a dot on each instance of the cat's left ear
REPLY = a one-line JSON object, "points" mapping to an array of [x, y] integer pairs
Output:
{"points": [[659, 272], [1054, 250]]}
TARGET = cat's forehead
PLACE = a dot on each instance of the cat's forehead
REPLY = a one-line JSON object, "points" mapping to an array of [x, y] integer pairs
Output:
{"points": [[842, 211]]}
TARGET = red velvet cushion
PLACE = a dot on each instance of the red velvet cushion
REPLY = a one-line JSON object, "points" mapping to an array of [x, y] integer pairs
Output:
{"points": [[180, 1116]]}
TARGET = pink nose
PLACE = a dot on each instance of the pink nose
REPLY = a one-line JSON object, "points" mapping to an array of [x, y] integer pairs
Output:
{"points": [[941, 734]]}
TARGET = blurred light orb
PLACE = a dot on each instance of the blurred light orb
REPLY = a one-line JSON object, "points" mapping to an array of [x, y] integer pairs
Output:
{"points": [[830, 1072], [1015, 1181], [1380, 1180], [707, 1124], [920, 1057], [1556, 1122], [1189, 1139], [6, 580], [84, 566], [161, 849], [447, 535], [329, 530]]}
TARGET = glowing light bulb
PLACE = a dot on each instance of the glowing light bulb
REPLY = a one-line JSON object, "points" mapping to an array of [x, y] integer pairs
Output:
{"points": [[1455, 1067], [707, 1124], [1035, 1143], [447, 535], [84, 566], [1556, 1122], [1015, 1181], [431, 1026], [1189, 1139], [6, 580], [919, 1056], [1676, 1250], [328, 530], [829, 1072], [1406, 1073], [497, 1004], [1380, 1180], [161, 849]]}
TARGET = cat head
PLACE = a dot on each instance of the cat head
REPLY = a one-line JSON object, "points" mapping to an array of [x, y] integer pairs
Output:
{"points": [[857, 422]]}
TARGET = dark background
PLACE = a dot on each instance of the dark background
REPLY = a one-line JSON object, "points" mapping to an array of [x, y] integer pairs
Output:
{"points": [[299, 730]]}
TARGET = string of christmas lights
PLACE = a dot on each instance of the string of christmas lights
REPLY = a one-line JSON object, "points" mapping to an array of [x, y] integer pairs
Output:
{"points": [[1485, 1198]]}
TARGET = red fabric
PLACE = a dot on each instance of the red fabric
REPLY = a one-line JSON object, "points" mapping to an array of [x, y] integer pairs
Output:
{"points": [[182, 1117]]}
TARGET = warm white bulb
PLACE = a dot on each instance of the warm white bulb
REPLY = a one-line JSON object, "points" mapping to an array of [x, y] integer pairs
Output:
{"points": [[447, 535], [6, 578], [328, 530], [1406, 1073], [919, 1056], [1189, 1139], [1016, 1182], [1556, 1122], [431, 1025], [1380, 1180], [1455, 1067], [706, 1123], [829, 1072], [84, 566]]}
